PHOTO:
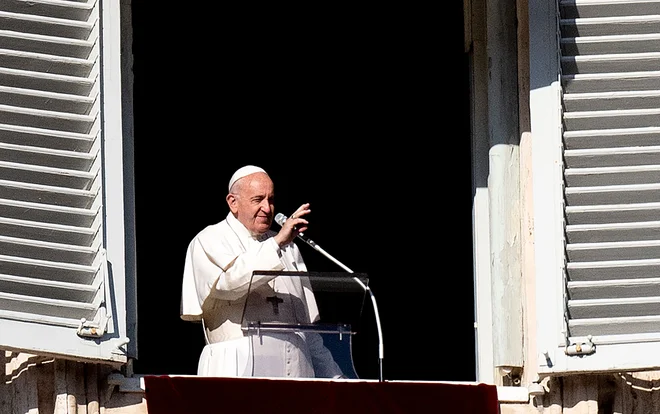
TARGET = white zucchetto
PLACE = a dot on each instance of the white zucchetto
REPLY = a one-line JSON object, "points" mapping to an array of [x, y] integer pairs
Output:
{"points": [[244, 171]]}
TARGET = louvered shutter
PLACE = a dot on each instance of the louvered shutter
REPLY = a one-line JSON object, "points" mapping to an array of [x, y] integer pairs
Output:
{"points": [[58, 294], [610, 82]]}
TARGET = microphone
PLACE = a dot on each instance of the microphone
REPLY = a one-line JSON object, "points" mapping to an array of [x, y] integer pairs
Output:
{"points": [[281, 218]]}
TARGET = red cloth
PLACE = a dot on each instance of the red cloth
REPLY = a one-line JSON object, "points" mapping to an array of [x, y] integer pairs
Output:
{"points": [[196, 395]]}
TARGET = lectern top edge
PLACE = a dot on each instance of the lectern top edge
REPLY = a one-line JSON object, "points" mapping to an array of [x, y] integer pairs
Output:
{"points": [[312, 275]]}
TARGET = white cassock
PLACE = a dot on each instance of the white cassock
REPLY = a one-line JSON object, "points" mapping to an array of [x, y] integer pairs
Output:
{"points": [[218, 269]]}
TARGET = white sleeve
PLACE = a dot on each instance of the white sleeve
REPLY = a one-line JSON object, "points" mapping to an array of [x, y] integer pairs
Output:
{"points": [[233, 281]]}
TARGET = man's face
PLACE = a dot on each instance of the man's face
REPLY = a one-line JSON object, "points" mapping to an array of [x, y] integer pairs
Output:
{"points": [[253, 205]]}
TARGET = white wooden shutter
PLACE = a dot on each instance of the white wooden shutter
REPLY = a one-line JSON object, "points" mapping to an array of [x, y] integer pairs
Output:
{"points": [[58, 294], [610, 81]]}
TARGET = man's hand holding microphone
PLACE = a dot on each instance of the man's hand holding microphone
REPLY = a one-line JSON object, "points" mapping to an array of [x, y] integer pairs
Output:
{"points": [[293, 226]]}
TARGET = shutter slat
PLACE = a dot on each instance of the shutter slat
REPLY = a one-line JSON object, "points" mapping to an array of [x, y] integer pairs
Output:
{"points": [[60, 9], [34, 43], [30, 62], [37, 193], [612, 232], [571, 9], [48, 288], [55, 83], [47, 232], [633, 326], [612, 157], [44, 157], [624, 118], [617, 288], [613, 194], [45, 213], [48, 307], [638, 249], [598, 45], [45, 25], [610, 63], [612, 213], [613, 307], [46, 175], [613, 269], [612, 138], [609, 82], [37, 249], [610, 101], [37, 137], [39, 319], [46, 101], [610, 25], [42, 269], [603, 176]]}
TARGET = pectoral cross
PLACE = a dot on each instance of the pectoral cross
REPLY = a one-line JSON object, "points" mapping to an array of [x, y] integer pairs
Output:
{"points": [[276, 302]]}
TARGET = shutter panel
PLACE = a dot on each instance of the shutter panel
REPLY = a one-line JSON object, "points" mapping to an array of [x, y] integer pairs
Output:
{"points": [[610, 63], [55, 291]]}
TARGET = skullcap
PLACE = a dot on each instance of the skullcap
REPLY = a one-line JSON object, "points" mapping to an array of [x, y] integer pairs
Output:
{"points": [[244, 171]]}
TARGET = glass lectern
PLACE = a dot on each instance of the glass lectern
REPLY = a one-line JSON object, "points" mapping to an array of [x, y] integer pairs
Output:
{"points": [[274, 311]]}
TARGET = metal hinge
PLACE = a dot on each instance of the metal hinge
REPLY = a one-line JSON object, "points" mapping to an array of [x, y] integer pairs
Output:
{"points": [[97, 327], [88, 329], [581, 348]]}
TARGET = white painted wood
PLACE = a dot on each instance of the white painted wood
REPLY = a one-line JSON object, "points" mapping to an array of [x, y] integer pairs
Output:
{"points": [[504, 184], [545, 122], [483, 305], [118, 230], [54, 280]]}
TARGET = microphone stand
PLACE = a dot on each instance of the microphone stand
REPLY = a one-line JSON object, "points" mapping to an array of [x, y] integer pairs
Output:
{"points": [[367, 290]]}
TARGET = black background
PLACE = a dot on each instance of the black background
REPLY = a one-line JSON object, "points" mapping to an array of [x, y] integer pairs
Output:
{"points": [[364, 113]]}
